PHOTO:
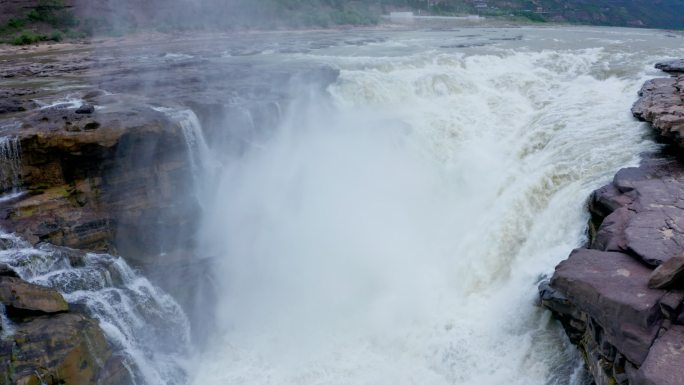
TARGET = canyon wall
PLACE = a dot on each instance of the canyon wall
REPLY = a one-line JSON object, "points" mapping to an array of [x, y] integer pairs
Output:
{"points": [[620, 298]]}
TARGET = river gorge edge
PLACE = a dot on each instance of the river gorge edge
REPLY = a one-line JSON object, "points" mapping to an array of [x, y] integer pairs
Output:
{"points": [[85, 191], [619, 298]]}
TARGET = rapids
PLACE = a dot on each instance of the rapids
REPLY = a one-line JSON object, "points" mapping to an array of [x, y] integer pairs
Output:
{"points": [[390, 228], [393, 228]]}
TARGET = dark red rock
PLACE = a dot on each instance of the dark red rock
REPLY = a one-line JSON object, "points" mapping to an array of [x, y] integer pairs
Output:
{"points": [[612, 289], [665, 362], [631, 334], [611, 233], [608, 199], [641, 212], [565, 311], [656, 235], [671, 304], [668, 275], [661, 103]]}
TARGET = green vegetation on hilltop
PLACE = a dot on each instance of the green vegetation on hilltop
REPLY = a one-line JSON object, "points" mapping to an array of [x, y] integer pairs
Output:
{"points": [[628, 13], [239, 14], [53, 20], [49, 20]]}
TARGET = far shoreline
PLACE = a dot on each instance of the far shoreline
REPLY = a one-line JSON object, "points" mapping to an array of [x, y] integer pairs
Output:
{"points": [[153, 37]]}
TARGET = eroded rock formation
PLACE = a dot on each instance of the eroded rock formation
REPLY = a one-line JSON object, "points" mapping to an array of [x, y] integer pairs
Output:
{"points": [[42, 342], [98, 157], [625, 317]]}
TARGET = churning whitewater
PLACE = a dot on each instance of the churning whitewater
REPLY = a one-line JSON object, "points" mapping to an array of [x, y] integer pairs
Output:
{"points": [[394, 227], [388, 227]]}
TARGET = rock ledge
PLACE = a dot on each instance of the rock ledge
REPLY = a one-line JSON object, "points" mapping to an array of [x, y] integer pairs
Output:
{"points": [[625, 317]]}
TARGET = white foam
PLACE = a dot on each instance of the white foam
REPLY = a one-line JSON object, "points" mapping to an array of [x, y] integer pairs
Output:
{"points": [[144, 325], [395, 232]]}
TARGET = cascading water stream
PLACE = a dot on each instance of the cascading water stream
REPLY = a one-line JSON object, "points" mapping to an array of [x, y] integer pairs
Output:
{"points": [[143, 324], [203, 163], [393, 230], [10, 163]]}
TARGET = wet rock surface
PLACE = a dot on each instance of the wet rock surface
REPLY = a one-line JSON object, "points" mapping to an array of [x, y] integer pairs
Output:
{"points": [[102, 161], [672, 66], [661, 103], [620, 298], [104, 153], [612, 287], [21, 298], [43, 341], [66, 348]]}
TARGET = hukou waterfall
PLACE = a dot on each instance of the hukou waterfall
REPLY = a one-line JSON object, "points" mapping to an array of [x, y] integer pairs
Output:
{"points": [[332, 209]]}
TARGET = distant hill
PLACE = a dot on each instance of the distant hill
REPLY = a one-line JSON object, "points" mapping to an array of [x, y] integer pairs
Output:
{"points": [[29, 21], [632, 13]]}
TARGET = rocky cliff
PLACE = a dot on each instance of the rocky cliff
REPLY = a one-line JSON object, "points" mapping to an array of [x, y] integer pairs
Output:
{"points": [[620, 298], [99, 150], [39, 321]]}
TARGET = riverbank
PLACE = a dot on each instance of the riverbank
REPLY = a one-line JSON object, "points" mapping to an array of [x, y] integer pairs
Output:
{"points": [[620, 298]]}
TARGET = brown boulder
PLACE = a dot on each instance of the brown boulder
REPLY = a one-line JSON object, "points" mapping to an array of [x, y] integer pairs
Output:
{"points": [[612, 289], [24, 299], [668, 275], [60, 349]]}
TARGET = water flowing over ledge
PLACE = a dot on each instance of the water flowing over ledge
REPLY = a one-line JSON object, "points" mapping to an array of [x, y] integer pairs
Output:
{"points": [[625, 317], [378, 212]]}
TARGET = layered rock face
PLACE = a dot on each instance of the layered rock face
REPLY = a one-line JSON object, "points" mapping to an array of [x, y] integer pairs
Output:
{"points": [[98, 152], [109, 167], [44, 343], [661, 103], [85, 181], [620, 298]]}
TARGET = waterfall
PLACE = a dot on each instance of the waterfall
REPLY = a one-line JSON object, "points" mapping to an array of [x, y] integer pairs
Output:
{"points": [[198, 150], [142, 323], [394, 228], [10, 163], [388, 230], [203, 163]]}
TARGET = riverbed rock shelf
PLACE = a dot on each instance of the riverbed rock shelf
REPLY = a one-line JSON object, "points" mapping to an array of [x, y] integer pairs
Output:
{"points": [[620, 297]]}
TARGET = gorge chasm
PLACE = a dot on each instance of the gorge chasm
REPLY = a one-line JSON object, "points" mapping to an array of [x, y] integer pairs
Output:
{"points": [[300, 209]]}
